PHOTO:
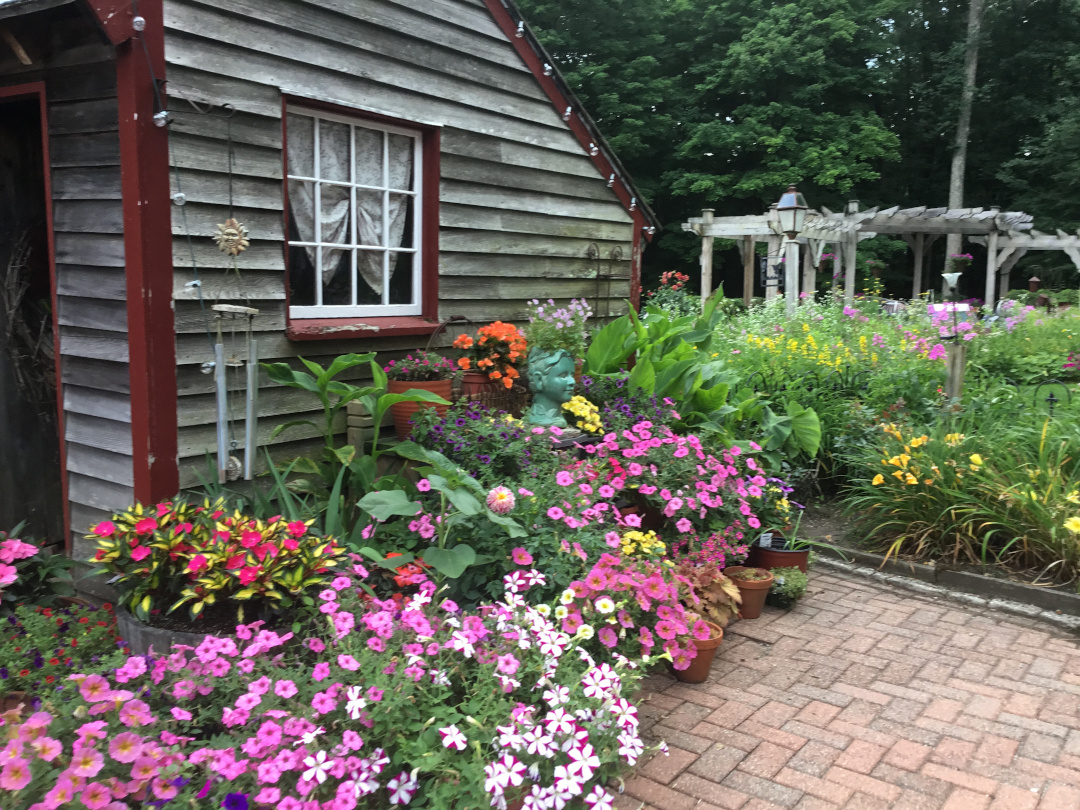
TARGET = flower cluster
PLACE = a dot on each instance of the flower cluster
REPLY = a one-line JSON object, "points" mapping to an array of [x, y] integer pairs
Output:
{"points": [[13, 549], [645, 544], [42, 646], [631, 606], [588, 415], [497, 351], [552, 327], [175, 553], [390, 704], [423, 367]]}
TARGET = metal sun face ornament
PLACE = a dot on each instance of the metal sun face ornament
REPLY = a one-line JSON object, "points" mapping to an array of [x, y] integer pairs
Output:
{"points": [[232, 237]]}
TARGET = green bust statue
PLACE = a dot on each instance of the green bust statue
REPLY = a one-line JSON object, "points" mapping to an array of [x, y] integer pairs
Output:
{"points": [[551, 380]]}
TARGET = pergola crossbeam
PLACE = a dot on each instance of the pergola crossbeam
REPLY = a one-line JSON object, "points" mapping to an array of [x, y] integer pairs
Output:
{"points": [[1009, 233]]}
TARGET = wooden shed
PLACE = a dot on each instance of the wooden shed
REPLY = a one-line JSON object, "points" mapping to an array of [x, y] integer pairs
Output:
{"points": [[394, 164]]}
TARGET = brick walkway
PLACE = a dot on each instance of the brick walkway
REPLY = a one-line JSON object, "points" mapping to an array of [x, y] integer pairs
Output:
{"points": [[869, 697]]}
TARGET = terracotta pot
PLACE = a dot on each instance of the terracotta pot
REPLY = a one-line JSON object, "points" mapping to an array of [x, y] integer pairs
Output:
{"points": [[699, 668], [770, 558], [403, 412], [475, 383], [141, 637], [753, 592]]}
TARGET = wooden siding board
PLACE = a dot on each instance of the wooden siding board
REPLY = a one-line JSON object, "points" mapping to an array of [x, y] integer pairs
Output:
{"points": [[98, 494], [471, 19], [528, 222], [97, 402], [197, 440], [93, 431], [222, 285], [466, 291], [463, 142], [101, 464], [86, 183], [502, 197], [91, 313], [212, 188], [87, 281], [106, 375], [259, 256], [88, 216], [102, 250], [93, 344], [95, 149], [501, 244], [201, 221], [211, 154], [205, 86], [83, 116], [475, 170]]}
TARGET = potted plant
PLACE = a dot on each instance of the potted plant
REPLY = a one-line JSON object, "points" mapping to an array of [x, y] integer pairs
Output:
{"points": [[708, 591], [219, 565], [552, 328], [491, 358], [789, 586], [753, 585], [423, 372], [776, 548]]}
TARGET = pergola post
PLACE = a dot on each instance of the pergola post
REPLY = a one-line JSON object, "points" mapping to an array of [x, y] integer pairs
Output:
{"points": [[809, 272], [851, 244], [917, 247], [791, 274], [773, 250], [706, 255], [748, 269], [991, 267]]}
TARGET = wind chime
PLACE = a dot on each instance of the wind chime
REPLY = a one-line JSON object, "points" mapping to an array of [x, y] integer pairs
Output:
{"points": [[232, 240]]}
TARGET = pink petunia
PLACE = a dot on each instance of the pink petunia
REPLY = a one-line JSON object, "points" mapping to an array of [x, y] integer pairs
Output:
{"points": [[555, 513], [521, 557]]}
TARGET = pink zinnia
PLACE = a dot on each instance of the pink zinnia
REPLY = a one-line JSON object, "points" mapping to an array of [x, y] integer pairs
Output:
{"points": [[501, 500]]}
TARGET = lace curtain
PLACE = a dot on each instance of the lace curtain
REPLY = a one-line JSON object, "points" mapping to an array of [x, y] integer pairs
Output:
{"points": [[334, 213]]}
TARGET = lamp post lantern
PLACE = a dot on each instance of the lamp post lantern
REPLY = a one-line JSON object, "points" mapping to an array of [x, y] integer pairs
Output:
{"points": [[791, 212]]}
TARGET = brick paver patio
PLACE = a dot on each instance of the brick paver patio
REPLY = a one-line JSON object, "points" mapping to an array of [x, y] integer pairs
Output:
{"points": [[866, 696]]}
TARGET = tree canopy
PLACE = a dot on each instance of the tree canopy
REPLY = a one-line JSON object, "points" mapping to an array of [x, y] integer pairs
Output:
{"points": [[722, 103]]}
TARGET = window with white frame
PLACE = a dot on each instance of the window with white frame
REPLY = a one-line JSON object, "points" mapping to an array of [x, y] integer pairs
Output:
{"points": [[354, 216]]}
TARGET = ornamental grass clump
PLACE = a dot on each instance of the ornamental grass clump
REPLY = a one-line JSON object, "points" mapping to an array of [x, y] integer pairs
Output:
{"points": [[496, 352], [175, 554], [379, 704], [40, 647]]}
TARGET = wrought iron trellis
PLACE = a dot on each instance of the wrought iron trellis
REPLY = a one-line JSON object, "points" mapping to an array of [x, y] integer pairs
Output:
{"points": [[602, 276]]}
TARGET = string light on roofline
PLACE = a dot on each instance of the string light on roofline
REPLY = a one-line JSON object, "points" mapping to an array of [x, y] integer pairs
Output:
{"points": [[520, 30], [594, 150], [611, 180], [567, 113], [548, 69]]}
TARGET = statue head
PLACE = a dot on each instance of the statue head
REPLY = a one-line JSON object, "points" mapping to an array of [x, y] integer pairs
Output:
{"points": [[551, 380]]}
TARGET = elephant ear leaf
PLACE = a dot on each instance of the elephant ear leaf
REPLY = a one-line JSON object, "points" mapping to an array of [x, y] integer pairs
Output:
{"points": [[805, 428]]}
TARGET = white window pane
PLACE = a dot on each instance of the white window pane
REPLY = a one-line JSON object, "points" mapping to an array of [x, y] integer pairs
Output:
{"points": [[369, 266], [369, 217], [334, 215], [334, 154], [369, 157], [301, 144], [400, 162], [337, 277], [401, 277], [401, 213], [302, 210]]}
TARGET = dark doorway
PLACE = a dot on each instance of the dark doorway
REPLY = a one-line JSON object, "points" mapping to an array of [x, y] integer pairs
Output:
{"points": [[30, 472]]}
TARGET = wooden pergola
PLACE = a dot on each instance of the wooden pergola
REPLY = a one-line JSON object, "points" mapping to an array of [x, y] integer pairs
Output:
{"points": [[1007, 235]]}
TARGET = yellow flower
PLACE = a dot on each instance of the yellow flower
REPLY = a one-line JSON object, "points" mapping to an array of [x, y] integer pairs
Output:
{"points": [[1073, 497], [879, 479], [1073, 525], [898, 475], [976, 460], [910, 479]]}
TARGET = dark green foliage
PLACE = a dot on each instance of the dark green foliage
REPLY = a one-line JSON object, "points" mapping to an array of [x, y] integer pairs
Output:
{"points": [[722, 103]]}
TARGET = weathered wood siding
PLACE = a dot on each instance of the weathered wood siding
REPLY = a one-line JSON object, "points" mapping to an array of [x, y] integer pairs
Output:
{"points": [[84, 147], [519, 203]]}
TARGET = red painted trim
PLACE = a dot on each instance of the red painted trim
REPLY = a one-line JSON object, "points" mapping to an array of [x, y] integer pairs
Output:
{"points": [[37, 90], [338, 328], [114, 17], [635, 260], [144, 177]]}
